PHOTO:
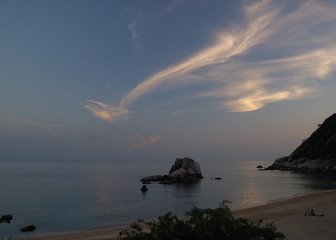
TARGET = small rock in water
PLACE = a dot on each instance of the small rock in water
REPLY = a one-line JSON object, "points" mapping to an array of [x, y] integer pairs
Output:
{"points": [[28, 228], [144, 188], [218, 178]]}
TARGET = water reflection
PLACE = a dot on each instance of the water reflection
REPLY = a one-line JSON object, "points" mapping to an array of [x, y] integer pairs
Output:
{"points": [[186, 190], [102, 187], [245, 186], [70, 196], [316, 181], [280, 184]]}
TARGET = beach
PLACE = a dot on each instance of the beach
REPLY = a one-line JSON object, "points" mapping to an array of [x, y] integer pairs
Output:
{"points": [[287, 214]]}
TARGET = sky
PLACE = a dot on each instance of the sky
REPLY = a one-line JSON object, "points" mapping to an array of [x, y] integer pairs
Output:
{"points": [[157, 80]]}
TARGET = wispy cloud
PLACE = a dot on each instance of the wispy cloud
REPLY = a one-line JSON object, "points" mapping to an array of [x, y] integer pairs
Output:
{"points": [[109, 87], [251, 86], [138, 140], [259, 98], [42, 124], [171, 6], [133, 26], [104, 111], [120, 135], [141, 141], [270, 56], [248, 85], [227, 46]]}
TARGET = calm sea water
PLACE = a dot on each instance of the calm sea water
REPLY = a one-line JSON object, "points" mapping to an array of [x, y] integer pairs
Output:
{"points": [[70, 196]]}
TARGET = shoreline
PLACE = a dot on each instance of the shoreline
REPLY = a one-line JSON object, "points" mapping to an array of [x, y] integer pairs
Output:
{"points": [[287, 214]]}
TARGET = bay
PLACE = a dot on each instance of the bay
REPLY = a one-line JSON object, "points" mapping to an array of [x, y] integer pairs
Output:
{"points": [[71, 196]]}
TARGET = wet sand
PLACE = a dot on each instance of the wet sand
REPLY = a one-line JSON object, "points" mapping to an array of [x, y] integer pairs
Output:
{"points": [[287, 215]]}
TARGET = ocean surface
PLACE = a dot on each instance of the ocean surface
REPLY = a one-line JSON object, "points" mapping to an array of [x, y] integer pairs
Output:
{"points": [[62, 197]]}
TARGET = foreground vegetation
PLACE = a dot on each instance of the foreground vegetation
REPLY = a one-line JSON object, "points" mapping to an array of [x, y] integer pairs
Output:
{"points": [[202, 224], [6, 219]]}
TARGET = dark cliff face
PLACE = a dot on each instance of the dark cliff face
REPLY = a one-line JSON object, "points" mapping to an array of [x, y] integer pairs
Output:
{"points": [[317, 153], [321, 144]]}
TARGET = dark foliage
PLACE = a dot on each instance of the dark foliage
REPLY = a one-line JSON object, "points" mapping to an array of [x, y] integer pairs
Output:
{"points": [[6, 218], [201, 224]]}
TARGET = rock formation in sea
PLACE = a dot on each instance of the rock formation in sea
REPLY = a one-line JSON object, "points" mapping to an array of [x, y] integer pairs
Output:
{"points": [[315, 154], [183, 170], [144, 188], [28, 228]]}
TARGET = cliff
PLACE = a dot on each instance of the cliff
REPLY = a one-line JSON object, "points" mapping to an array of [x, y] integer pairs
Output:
{"points": [[317, 153]]}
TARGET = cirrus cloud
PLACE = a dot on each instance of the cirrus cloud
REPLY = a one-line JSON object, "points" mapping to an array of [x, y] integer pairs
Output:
{"points": [[270, 56], [141, 141], [104, 111]]}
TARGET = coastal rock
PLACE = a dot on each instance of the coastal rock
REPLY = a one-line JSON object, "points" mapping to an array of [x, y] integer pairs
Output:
{"points": [[185, 166], [144, 188], [28, 228], [183, 170], [315, 154], [154, 178], [178, 172]]}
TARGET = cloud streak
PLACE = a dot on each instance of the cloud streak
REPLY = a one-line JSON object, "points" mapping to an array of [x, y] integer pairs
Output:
{"points": [[269, 57], [104, 111], [171, 7], [263, 82], [42, 124], [227, 46], [133, 26], [142, 141]]}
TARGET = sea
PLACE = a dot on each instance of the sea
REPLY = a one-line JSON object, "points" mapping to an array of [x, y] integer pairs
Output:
{"points": [[61, 197]]}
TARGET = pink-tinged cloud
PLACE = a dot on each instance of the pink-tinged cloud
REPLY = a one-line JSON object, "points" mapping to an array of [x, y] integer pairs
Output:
{"points": [[104, 111], [142, 141]]}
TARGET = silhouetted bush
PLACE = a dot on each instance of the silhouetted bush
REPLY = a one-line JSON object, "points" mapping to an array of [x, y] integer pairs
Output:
{"points": [[202, 224], [6, 218]]}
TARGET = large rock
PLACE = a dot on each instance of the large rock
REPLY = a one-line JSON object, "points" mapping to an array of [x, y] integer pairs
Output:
{"points": [[317, 153], [179, 172], [184, 167], [183, 170]]}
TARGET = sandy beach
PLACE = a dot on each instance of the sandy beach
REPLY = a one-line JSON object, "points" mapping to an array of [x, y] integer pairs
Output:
{"points": [[287, 215]]}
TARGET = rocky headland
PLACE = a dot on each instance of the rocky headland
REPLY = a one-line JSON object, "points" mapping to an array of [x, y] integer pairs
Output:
{"points": [[315, 154], [183, 170]]}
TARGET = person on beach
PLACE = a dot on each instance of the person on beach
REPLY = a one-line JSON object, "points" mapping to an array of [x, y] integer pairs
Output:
{"points": [[312, 212], [308, 212]]}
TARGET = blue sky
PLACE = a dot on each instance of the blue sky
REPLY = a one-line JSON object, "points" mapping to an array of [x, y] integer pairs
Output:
{"points": [[155, 80]]}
